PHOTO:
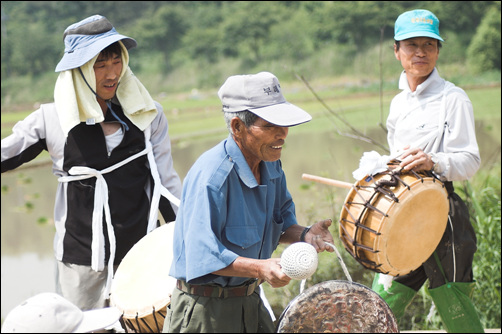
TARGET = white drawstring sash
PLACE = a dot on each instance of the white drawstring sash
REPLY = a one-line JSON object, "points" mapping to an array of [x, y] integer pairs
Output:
{"points": [[100, 204], [158, 188]]}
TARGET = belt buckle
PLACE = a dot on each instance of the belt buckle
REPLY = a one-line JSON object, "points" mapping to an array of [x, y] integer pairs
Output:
{"points": [[251, 287]]}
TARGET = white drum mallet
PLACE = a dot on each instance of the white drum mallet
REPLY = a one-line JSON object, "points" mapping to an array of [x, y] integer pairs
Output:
{"points": [[299, 260]]}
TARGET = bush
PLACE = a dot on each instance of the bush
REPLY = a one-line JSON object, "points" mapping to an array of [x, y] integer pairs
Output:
{"points": [[483, 197], [483, 53]]}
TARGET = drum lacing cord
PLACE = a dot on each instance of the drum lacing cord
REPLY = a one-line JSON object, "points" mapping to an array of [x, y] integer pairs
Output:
{"points": [[156, 322], [357, 223], [394, 179], [146, 324]]}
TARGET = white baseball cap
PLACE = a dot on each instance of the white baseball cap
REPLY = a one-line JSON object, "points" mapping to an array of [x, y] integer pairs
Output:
{"points": [[260, 94], [51, 313]]}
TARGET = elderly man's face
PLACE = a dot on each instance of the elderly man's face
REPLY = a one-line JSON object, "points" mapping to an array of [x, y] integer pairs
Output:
{"points": [[262, 141], [107, 73], [418, 56]]}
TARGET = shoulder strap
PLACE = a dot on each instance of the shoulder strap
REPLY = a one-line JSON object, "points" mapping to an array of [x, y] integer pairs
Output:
{"points": [[442, 116], [158, 188]]}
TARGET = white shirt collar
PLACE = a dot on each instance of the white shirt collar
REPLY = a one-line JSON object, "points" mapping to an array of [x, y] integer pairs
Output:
{"points": [[433, 81]]}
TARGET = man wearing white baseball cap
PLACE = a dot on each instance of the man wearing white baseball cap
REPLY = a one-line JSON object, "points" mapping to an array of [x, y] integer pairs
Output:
{"points": [[431, 129], [51, 313], [235, 209], [111, 152]]}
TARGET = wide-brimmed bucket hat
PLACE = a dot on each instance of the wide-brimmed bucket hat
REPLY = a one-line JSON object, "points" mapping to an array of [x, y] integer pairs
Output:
{"points": [[85, 39]]}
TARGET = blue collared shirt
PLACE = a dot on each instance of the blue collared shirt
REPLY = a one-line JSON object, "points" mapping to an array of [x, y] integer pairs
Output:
{"points": [[224, 213]]}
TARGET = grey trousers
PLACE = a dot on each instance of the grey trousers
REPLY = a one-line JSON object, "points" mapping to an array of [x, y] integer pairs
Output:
{"points": [[81, 285], [195, 314]]}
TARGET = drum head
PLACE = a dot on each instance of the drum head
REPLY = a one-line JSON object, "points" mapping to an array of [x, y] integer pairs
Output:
{"points": [[142, 282], [337, 307]]}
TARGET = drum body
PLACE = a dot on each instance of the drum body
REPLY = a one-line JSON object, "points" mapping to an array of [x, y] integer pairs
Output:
{"points": [[392, 222], [337, 307], [142, 287]]}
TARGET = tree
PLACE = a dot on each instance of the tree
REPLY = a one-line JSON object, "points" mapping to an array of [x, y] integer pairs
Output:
{"points": [[357, 22], [162, 31], [247, 27], [483, 53]]}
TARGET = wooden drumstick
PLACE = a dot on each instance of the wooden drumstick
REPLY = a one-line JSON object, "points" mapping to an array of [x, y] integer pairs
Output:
{"points": [[324, 180]]}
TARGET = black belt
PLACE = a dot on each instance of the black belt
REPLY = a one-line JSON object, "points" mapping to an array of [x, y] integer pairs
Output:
{"points": [[218, 291]]}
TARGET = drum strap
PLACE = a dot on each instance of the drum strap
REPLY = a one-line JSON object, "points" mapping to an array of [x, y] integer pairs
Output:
{"points": [[158, 188], [442, 117], [449, 187]]}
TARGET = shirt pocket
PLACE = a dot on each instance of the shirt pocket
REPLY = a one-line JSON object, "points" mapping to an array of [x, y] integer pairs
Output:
{"points": [[242, 236], [277, 226]]}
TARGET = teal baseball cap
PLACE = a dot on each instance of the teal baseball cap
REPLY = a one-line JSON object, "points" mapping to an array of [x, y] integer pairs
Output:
{"points": [[416, 23]]}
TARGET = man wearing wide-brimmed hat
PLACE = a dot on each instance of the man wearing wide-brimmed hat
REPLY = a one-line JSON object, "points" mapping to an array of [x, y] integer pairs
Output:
{"points": [[111, 151], [431, 129]]}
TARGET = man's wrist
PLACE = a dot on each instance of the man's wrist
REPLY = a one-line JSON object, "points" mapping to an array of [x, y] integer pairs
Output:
{"points": [[305, 231], [435, 161]]}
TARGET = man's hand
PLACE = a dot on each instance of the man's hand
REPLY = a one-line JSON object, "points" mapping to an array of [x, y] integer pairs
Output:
{"points": [[319, 234], [271, 272], [268, 270], [416, 159]]}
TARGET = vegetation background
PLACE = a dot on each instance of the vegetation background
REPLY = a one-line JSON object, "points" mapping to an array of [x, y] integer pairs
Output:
{"points": [[186, 49], [198, 44]]}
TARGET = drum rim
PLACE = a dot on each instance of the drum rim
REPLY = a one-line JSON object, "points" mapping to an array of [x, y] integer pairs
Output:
{"points": [[351, 283]]}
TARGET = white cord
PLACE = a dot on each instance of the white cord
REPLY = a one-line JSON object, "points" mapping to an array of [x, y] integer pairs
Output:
{"points": [[453, 250], [302, 285], [341, 262]]}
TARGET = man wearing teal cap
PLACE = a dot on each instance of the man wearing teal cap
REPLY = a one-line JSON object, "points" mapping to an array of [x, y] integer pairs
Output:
{"points": [[431, 128]]}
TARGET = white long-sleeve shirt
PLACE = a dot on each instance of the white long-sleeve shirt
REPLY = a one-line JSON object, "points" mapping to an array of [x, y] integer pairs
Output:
{"points": [[415, 119]]}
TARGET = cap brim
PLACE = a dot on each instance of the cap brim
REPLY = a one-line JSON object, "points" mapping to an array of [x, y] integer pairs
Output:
{"points": [[282, 114], [81, 56], [98, 319], [417, 34]]}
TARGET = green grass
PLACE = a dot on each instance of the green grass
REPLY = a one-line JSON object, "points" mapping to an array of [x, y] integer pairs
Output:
{"points": [[198, 116], [192, 112]]}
